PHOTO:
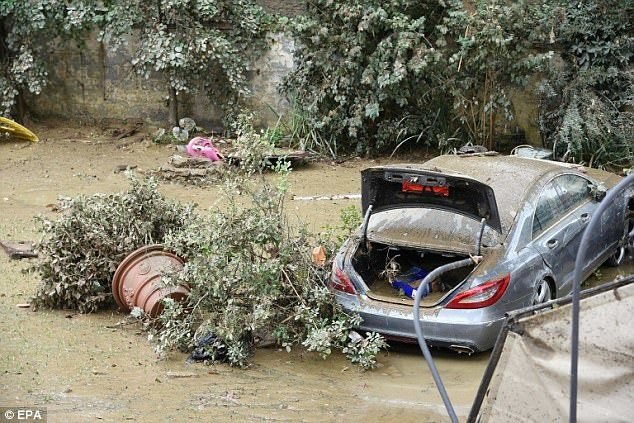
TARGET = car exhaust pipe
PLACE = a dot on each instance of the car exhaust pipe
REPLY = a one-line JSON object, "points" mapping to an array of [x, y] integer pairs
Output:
{"points": [[462, 349]]}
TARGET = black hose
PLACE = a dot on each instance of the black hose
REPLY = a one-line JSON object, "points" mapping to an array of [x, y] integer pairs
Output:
{"points": [[419, 330], [576, 287]]}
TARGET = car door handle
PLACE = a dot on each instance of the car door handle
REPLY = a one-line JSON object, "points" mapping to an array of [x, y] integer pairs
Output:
{"points": [[552, 243], [585, 217]]}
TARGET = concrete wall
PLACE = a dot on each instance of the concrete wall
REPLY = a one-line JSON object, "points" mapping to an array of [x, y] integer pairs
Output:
{"points": [[95, 83]]}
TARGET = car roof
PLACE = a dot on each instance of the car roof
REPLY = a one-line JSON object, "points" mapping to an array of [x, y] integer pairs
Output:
{"points": [[510, 177]]}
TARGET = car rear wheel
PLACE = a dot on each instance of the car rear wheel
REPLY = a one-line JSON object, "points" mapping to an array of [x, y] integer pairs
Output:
{"points": [[542, 292], [616, 258]]}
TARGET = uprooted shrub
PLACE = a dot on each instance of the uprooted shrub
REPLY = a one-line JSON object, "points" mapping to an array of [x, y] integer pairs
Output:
{"points": [[80, 251], [252, 279]]}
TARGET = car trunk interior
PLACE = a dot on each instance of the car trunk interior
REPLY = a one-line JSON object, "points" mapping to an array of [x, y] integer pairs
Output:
{"points": [[381, 263]]}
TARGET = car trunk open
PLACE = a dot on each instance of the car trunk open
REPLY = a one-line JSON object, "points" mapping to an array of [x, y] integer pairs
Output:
{"points": [[380, 265], [421, 219]]}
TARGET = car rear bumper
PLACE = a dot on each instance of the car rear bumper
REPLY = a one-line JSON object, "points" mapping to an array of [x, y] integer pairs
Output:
{"points": [[467, 329]]}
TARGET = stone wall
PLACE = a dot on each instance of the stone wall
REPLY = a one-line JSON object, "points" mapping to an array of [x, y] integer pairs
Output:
{"points": [[95, 83], [286, 8]]}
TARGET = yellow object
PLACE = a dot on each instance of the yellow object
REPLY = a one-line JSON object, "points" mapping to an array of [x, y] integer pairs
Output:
{"points": [[16, 131]]}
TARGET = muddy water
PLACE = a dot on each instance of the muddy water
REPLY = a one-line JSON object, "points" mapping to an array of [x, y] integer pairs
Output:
{"points": [[87, 367]]}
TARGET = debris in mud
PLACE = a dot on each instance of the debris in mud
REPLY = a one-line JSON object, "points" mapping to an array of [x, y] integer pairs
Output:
{"points": [[189, 171], [137, 280], [80, 251], [209, 348], [295, 157], [14, 131], [18, 249], [250, 275], [124, 168], [121, 133], [203, 148], [181, 375], [319, 256], [328, 197], [187, 124]]}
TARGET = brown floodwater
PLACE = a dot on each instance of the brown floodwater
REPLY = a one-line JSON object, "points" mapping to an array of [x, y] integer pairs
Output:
{"points": [[87, 367]]}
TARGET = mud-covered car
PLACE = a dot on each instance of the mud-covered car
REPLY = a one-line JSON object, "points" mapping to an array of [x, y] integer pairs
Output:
{"points": [[524, 217]]}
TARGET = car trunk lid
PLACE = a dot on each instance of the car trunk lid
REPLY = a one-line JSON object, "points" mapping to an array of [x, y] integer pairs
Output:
{"points": [[391, 187]]}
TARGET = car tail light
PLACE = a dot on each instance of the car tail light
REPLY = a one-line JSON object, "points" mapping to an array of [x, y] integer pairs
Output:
{"points": [[482, 295], [442, 191], [340, 281]]}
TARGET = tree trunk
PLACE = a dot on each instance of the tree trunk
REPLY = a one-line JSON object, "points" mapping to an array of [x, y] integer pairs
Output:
{"points": [[20, 108], [173, 104]]}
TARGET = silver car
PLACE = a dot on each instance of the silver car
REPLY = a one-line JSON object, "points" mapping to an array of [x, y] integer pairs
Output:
{"points": [[523, 216]]}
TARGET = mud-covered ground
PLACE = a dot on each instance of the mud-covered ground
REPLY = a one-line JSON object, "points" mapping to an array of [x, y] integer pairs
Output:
{"points": [[87, 367]]}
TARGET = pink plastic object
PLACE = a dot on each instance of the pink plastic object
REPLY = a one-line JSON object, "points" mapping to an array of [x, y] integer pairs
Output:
{"points": [[203, 147]]}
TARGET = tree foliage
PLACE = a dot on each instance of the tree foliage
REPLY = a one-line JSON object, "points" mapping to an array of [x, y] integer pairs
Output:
{"points": [[81, 250], [366, 68], [28, 30], [251, 274], [194, 45], [495, 49], [587, 99], [203, 45], [372, 74]]}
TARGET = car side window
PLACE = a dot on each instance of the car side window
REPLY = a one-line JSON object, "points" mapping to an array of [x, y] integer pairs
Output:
{"points": [[548, 210], [574, 190]]}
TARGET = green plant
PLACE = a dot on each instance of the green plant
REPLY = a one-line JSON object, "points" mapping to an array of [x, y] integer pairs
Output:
{"points": [[298, 129], [362, 65], [27, 32], [251, 276], [495, 48], [587, 96], [374, 75]]}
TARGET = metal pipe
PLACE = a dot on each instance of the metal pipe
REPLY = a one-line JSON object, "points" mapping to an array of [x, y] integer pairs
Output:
{"points": [[576, 288], [419, 330], [479, 246], [364, 226]]}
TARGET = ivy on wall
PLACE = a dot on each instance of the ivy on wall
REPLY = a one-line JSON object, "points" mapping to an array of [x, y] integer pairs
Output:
{"points": [[193, 45], [372, 74], [586, 108]]}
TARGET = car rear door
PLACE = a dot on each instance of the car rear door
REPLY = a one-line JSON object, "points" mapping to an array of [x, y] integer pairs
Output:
{"points": [[563, 210]]}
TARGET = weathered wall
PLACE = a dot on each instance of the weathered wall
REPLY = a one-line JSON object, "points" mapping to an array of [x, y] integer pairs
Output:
{"points": [[283, 7], [95, 83]]}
